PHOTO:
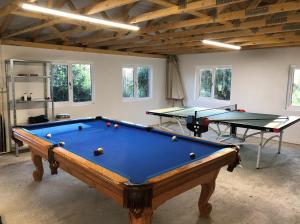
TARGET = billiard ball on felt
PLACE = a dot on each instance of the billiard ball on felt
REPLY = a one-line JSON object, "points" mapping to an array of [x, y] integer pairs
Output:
{"points": [[61, 143], [108, 124], [116, 125], [98, 152], [174, 138], [192, 155], [48, 135], [79, 128]]}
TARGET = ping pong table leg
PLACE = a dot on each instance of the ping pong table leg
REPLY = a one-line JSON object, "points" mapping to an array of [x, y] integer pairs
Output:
{"points": [[233, 130], [280, 142], [259, 149], [180, 125]]}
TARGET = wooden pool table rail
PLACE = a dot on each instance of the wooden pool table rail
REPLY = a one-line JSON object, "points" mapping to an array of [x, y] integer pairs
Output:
{"points": [[142, 202]]}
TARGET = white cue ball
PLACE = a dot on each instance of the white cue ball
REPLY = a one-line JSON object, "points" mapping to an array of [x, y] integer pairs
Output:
{"points": [[174, 138], [49, 135]]}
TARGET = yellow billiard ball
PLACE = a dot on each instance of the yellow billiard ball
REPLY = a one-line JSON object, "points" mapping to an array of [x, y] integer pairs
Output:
{"points": [[98, 152]]}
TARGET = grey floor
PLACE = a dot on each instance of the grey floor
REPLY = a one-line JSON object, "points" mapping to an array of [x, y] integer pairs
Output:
{"points": [[268, 195]]}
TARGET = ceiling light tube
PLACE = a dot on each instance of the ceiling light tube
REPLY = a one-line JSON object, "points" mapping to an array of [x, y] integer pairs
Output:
{"points": [[219, 44], [35, 8]]}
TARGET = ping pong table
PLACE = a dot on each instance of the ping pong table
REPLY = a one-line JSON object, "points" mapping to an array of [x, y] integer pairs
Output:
{"points": [[231, 119]]}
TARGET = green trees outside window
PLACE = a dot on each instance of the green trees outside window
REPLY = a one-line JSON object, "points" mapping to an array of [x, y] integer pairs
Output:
{"points": [[136, 82], [206, 82], [77, 76], [128, 82], [60, 83], [222, 83], [215, 83], [143, 81], [82, 82], [296, 88]]}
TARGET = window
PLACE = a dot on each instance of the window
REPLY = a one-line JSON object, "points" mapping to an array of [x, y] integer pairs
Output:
{"points": [[294, 87], [214, 82], [136, 82], [72, 82], [60, 83]]}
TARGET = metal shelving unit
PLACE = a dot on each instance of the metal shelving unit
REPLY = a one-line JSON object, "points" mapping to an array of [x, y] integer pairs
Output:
{"points": [[14, 104]]}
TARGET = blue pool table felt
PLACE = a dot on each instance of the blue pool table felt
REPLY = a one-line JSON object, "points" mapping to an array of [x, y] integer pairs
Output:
{"points": [[129, 150]]}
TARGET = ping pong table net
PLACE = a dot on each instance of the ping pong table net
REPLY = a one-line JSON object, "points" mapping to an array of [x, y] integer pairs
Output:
{"points": [[207, 112]]}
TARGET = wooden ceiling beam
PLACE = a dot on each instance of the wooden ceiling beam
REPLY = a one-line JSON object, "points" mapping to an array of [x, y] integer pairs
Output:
{"points": [[254, 4], [59, 3], [257, 38], [246, 45], [170, 4], [49, 3], [64, 34], [5, 23], [4, 11], [286, 35], [105, 5], [201, 50], [255, 24], [71, 5], [214, 36], [50, 21], [77, 49], [30, 29], [198, 5], [59, 34], [240, 14]]}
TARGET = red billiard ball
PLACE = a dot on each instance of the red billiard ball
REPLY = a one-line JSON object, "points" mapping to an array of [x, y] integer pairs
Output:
{"points": [[108, 124], [116, 125]]}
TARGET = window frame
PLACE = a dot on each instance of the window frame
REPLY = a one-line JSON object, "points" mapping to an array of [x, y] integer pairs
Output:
{"points": [[289, 106], [213, 68], [135, 79], [71, 102]]}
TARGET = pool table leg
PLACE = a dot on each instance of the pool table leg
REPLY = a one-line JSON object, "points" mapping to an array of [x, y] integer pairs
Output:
{"points": [[37, 161], [207, 190], [140, 216]]}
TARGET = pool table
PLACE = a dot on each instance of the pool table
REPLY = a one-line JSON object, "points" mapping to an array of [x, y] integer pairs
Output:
{"points": [[139, 167]]}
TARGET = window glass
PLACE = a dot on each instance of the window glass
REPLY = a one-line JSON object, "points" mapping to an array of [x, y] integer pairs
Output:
{"points": [[128, 82], [222, 83], [82, 82], [143, 81], [60, 82], [205, 82], [296, 88]]}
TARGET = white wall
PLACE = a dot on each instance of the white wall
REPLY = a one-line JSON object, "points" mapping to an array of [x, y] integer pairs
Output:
{"points": [[107, 81], [259, 81]]}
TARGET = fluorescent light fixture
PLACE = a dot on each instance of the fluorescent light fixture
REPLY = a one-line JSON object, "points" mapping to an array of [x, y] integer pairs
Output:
{"points": [[219, 44], [35, 8]]}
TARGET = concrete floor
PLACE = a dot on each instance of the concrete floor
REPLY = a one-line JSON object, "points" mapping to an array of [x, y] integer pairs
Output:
{"points": [[268, 195]]}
